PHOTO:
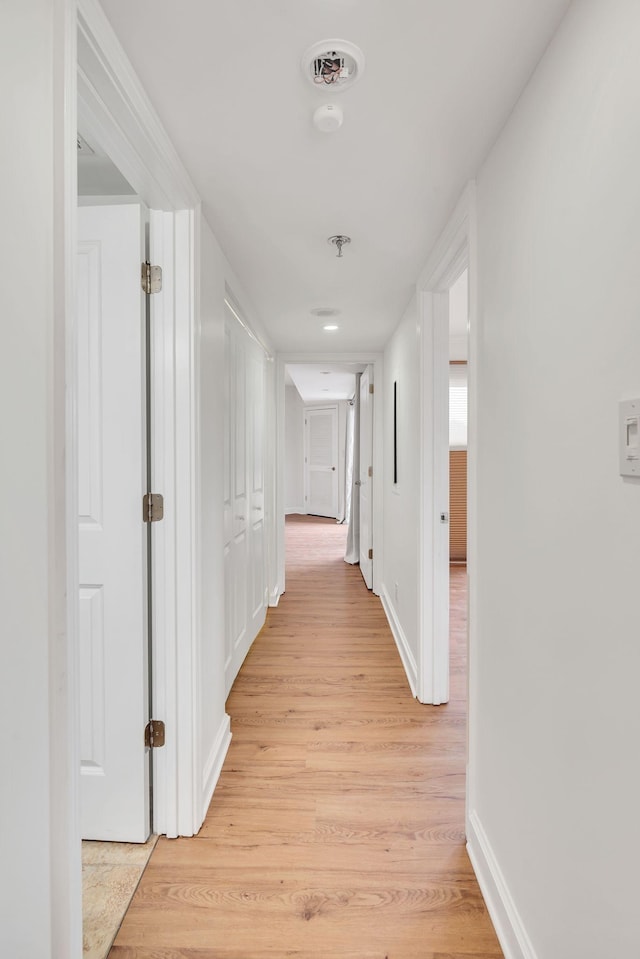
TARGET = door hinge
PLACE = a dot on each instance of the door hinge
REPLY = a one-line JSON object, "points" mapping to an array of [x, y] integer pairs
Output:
{"points": [[371, 471], [370, 554], [154, 734], [152, 507], [151, 278], [371, 387]]}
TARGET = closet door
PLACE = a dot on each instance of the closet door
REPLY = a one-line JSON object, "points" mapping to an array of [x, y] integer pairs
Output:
{"points": [[244, 496]]}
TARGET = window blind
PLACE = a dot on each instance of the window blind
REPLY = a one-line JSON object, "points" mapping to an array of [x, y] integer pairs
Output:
{"points": [[458, 406]]}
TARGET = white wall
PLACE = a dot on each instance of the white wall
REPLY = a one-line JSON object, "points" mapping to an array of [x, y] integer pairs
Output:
{"points": [[214, 723], [555, 723], [36, 789], [294, 451], [401, 502], [458, 318]]}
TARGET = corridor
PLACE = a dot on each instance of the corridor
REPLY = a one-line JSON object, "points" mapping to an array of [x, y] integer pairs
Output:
{"points": [[337, 827]]}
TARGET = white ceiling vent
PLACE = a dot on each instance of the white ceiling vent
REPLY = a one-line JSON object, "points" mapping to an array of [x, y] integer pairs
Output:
{"points": [[336, 64]]}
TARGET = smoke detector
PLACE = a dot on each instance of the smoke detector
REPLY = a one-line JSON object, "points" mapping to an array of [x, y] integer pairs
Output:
{"points": [[333, 63], [328, 118]]}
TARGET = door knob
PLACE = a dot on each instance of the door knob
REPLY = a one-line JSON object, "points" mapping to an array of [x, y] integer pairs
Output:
{"points": [[333, 468], [358, 483]]}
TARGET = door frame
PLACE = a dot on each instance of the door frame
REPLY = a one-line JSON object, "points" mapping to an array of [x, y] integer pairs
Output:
{"points": [[454, 252], [98, 88], [277, 559]]}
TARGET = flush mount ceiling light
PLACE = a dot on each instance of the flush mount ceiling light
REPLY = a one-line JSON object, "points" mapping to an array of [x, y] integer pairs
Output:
{"points": [[330, 327], [333, 63], [339, 240], [325, 311]]}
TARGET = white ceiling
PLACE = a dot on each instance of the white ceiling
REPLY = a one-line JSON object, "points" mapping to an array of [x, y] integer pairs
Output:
{"points": [[441, 78], [321, 382]]}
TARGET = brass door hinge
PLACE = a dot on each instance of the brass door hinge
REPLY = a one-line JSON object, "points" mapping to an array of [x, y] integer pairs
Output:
{"points": [[152, 507], [371, 471], [151, 278], [154, 734], [370, 554], [371, 387]]}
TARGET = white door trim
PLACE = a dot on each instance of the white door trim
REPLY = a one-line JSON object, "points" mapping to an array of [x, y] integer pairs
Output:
{"points": [[277, 558], [454, 252], [98, 88]]}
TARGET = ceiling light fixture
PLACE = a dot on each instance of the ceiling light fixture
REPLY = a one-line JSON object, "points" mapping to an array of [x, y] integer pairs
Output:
{"points": [[339, 240], [334, 63], [330, 327], [325, 311]]}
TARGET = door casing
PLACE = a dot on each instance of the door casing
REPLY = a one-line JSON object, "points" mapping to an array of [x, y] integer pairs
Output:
{"points": [[277, 561], [455, 251], [99, 90]]}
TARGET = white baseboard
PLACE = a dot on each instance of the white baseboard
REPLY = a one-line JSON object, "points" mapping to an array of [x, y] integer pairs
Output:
{"points": [[297, 510], [506, 919], [407, 657], [213, 766], [275, 594]]}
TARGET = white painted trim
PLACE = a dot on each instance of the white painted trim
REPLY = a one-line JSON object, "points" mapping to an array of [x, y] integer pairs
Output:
{"points": [[375, 360], [275, 595], [186, 544], [213, 765], [510, 929], [407, 657], [449, 258], [114, 109], [65, 875], [295, 511]]}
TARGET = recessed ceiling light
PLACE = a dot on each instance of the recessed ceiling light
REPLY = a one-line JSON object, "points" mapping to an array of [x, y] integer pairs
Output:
{"points": [[330, 327], [325, 311]]}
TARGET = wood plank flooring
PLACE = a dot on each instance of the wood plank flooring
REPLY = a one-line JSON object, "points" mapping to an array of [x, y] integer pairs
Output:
{"points": [[337, 827]]}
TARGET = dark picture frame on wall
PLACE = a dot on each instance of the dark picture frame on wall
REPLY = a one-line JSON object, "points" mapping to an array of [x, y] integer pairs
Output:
{"points": [[395, 431]]}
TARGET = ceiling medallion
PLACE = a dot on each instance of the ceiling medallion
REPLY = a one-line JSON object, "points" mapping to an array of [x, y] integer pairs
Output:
{"points": [[339, 240]]}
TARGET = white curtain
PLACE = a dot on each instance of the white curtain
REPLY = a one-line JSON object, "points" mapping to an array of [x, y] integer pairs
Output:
{"points": [[352, 491]]}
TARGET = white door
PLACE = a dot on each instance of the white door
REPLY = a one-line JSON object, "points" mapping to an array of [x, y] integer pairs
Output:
{"points": [[366, 473], [246, 591], [112, 536], [321, 461]]}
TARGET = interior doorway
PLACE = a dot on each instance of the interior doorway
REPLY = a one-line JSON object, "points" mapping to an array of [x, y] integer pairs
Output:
{"points": [[447, 277], [320, 467]]}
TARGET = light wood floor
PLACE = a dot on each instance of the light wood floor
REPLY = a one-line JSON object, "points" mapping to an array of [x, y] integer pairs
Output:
{"points": [[336, 830]]}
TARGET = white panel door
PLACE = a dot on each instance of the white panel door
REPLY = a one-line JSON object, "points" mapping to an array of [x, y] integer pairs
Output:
{"points": [[246, 593], [366, 471], [321, 461], [112, 537]]}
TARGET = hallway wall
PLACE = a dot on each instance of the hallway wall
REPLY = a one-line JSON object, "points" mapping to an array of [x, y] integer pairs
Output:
{"points": [[39, 882], [294, 451], [401, 500], [555, 723]]}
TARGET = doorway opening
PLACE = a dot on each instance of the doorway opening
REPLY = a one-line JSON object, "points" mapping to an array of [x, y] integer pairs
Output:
{"points": [[114, 404], [326, 466], [445, 289]]}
